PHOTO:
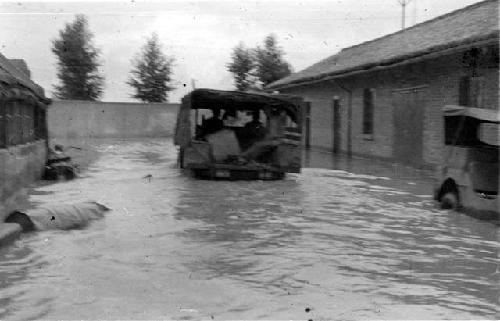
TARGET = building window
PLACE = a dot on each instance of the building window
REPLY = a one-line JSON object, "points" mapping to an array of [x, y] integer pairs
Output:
{"points": [[470, 91], [368, 108]]}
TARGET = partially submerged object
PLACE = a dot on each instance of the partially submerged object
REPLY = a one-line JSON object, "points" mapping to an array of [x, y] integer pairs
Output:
{"points": [[59, 166], [61, 216], [469, 175], [258, 137]]}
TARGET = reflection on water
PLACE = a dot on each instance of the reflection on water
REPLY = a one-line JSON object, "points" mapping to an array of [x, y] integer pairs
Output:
{"points": [[320, 245]]}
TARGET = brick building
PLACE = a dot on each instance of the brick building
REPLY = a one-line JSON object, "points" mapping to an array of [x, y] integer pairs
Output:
{"points": [[383, 98], [23, 132], [22, 105]]}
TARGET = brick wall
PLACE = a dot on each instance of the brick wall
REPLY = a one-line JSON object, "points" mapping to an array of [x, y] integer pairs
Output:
{"points": [[438, 79]]}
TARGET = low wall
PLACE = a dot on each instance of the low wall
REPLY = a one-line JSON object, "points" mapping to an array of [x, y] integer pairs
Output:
{"points": [[20, 166], [90, 119]]}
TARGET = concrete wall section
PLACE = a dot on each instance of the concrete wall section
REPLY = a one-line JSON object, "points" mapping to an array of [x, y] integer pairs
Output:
{"points": [[20, 166], [321, 98], [87, 119]]}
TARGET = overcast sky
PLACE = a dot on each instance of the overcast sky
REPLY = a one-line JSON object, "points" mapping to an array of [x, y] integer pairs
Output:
{"points": [[201, 34]]}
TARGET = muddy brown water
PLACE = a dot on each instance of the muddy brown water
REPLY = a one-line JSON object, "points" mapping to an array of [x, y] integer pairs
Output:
{"points": [[362, 241]]}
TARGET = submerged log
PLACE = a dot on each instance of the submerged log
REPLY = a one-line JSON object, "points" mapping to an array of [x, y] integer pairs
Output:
{"points": [[65, 216]]}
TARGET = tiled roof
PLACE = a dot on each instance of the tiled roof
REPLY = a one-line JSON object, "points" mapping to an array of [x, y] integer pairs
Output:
{"points": [[467, 25], [21, 65], [10, 74]]}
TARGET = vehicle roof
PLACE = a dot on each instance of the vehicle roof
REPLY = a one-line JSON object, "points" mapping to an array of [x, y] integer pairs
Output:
{"points": [[232, 100], [487, 115]]}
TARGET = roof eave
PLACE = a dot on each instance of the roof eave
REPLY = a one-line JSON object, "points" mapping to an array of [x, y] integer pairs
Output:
{"points": [[449, 48]]}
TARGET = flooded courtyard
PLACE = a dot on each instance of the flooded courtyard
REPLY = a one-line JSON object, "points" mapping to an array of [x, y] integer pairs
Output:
{"points": [[360, 241]]}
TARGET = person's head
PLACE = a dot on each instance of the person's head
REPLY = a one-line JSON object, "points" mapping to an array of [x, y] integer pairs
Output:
{"points": [[216, 112]]}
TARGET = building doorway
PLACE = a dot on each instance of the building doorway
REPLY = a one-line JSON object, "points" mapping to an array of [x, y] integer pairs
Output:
{"points": [[408, 121]]}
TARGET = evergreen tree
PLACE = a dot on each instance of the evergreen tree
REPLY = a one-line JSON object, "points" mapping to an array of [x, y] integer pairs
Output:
{"points": [[269, 62], [241, 66], [253, 69], [77, 66], [151, 74]]}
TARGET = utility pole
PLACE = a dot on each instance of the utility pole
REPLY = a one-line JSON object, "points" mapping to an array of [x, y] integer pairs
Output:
{"points": [[414, 12], [403, 4]]}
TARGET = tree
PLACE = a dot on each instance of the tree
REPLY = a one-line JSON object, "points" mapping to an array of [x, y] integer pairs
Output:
{"points": [[77, 66], [256, 68], [269, 62], [241, 66], [151, 75]]}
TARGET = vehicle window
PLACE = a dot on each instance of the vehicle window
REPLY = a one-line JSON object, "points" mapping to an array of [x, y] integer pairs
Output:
{"points": [[489, 133], [461, 131]]}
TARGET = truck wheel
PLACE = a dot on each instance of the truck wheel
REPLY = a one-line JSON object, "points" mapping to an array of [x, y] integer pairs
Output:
{"points": [[449, 200]]}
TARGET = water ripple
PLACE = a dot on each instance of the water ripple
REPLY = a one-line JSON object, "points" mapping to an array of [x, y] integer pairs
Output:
{"points": [[337, 244]]}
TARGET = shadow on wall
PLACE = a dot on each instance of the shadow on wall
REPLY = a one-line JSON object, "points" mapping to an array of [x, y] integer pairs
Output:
{"points": [[89, 119]]}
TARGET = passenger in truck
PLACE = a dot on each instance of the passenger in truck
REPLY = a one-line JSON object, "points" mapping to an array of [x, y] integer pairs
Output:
{"points": [[212, 124]]}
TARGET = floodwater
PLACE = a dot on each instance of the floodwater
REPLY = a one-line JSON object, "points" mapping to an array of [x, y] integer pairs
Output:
{"points": [[324, 244]]}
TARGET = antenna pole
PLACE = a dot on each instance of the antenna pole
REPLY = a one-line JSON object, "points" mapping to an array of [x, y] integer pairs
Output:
{"points": [[403, 4]]}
